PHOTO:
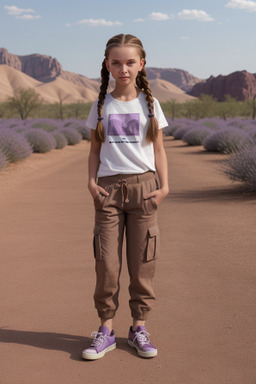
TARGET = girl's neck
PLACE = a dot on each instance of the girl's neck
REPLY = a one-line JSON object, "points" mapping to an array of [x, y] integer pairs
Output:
{"points": [[125, 93]]}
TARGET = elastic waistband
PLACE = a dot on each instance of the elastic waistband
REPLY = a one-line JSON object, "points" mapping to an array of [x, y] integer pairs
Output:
{"points": [[130, 178]]}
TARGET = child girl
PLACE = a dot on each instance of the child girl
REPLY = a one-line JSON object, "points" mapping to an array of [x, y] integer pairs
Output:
{"points": [[126, 151]]}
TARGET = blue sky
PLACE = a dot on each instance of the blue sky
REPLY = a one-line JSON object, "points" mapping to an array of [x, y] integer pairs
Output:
{"points": [[203, 37]]}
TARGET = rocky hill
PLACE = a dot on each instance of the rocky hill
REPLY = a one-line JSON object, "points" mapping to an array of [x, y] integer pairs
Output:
{"points": [[66, 91], [165, 91], [178, 77], [240, 85], [47, 76], [40, 67], [53, 91], [45, 68]]}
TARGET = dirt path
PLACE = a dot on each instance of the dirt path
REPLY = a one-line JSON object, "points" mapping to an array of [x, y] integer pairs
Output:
{"points": [[204, 320]]}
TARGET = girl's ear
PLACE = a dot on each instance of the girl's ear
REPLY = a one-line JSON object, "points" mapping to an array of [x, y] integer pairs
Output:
{"points": [[142, 63], [106, 62]]}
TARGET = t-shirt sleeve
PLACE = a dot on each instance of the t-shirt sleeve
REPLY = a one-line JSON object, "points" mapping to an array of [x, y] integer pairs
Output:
{"points": [[92, 117], [160, 115]]}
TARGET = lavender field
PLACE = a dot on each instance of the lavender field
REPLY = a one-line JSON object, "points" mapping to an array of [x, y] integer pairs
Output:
{"points": [[235, 137], [20, 138]]}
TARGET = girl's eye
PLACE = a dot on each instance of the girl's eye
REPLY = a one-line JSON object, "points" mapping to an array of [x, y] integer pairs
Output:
{"points": [[131, 62]]}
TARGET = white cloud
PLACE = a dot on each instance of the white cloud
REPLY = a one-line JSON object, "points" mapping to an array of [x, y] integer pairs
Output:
{"points": [[245, 5], [13, 10], [139, 20], [98, 22], [68, 25], [21, 13], [28, 17], [158, 16], [194, 14]]}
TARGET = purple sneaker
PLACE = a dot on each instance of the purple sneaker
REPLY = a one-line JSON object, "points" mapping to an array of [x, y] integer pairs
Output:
{"points": [[103, 342], [139, 339]]}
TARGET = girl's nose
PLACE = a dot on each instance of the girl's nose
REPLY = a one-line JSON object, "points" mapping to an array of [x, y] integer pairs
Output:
{"points": [[124, 69]]}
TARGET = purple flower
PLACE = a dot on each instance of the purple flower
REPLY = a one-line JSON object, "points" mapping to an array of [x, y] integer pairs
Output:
{"points": [[61, 140], [13, 145], [40, 140], [197, 135], [226, 140], [73, 137], [241, 166]]}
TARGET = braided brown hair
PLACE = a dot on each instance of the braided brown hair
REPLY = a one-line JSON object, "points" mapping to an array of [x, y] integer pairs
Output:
{"points": [[99, 134], [141, 82]]}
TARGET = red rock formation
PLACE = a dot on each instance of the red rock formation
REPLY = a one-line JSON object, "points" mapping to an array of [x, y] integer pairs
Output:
{"points": [[240, 85], [44, 68], [40, 67], [178, 77]]}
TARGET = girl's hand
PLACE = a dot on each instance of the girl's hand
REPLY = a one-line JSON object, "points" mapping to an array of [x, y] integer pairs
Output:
{"points": [[158, 194], [95, 189]]}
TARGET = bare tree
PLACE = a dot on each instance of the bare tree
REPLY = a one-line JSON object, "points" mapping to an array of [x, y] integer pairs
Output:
{"points": [[173, 106], [24, 101], [59, 105]]}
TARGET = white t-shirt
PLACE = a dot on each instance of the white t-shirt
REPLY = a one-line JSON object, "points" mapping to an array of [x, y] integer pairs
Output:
{"points": [[125, 149]]}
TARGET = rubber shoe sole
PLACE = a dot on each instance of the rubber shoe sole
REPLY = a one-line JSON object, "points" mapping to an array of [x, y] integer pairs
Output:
{"points": [[146, 355], [95, 356]]}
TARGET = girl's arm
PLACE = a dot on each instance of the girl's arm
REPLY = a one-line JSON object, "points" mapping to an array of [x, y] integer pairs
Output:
{"points": [[161, 168], [93, 166]]}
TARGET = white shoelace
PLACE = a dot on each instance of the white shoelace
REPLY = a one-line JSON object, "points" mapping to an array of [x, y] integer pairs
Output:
{"points": [[142, 337], [99, 339]]}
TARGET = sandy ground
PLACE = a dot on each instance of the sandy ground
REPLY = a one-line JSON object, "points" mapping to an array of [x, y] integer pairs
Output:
{"points": [[204, 319]]}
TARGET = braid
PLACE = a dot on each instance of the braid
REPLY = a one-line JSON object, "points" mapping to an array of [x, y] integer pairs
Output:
{"points": [[142, 83], [99, 134], [138, 82]]}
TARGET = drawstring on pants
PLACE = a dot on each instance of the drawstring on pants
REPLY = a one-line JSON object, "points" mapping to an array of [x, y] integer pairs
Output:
{"points": [[124, 190]]}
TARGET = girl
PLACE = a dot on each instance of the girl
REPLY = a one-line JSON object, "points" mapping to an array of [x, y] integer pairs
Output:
{"points": [[126, 151]]}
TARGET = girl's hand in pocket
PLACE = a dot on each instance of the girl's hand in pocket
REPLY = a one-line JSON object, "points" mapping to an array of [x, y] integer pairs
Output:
{"points": [[159, 195], [95, 189]]}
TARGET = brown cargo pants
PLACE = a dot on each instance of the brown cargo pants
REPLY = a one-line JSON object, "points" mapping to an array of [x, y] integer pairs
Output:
{"points": [[125, 209]]}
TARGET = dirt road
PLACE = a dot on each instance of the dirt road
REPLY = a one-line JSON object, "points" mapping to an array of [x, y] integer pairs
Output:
{"points": [[204, 319]]}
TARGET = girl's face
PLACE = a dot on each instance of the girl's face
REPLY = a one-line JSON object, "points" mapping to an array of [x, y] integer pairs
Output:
{"points": [[124, 63]]}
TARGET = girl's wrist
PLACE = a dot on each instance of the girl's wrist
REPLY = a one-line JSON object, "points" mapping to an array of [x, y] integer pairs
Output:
{"points": [[92, 183], [165, 189]]}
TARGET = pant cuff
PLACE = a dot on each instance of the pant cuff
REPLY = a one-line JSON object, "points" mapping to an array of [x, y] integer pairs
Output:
{"points": [[139, 315], [108, 314]]}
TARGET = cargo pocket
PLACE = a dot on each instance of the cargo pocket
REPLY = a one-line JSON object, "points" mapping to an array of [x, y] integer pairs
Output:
{"points": [[153, 243], [97, 243]]}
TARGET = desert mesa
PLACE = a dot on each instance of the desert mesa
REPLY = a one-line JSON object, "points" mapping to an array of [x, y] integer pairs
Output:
{"points": [[46, 76]]}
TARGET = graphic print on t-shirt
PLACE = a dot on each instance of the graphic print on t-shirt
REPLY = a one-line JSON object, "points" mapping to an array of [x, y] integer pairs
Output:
{"points": [[125, 124]]}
